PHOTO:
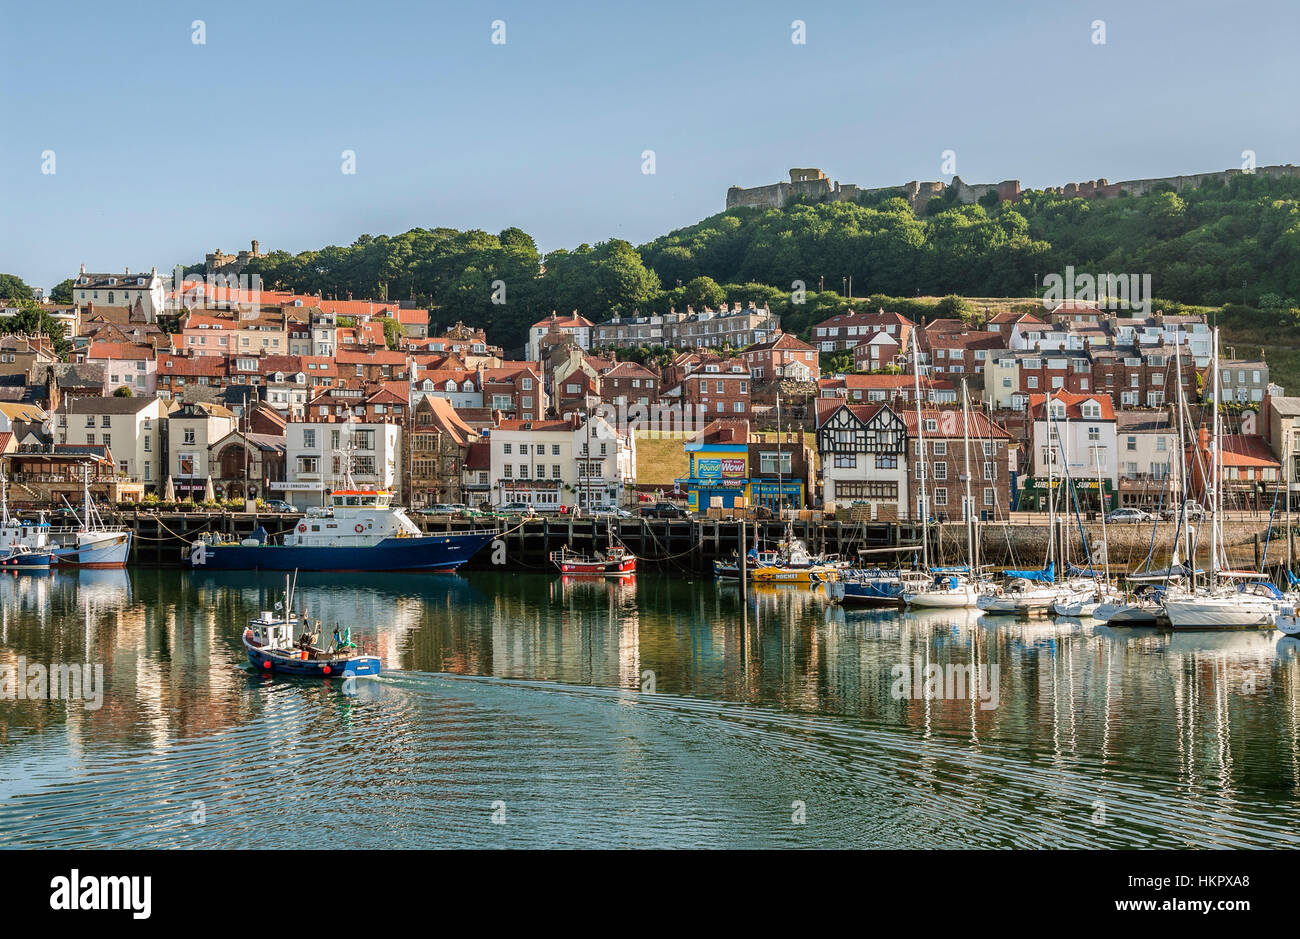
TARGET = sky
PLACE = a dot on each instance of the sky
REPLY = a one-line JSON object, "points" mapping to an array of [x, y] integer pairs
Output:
{"points": [[164, 149]]}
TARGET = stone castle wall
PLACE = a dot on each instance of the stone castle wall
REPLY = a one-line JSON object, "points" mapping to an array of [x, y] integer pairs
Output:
{"points": [[814, 184]]}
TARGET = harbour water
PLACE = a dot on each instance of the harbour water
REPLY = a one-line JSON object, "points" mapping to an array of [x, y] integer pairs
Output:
{"points": [[518, 710]]}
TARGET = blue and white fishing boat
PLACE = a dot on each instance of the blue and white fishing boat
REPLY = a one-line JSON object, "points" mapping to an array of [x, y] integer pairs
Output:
{"points": [[274, 645], [867, 586], [361, 530], [91, 543], [18, 558]]}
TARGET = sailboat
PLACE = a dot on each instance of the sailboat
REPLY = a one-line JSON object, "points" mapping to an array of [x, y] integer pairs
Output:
{"points": [[91, 544], [1251, 604], [944, 587], [1027, 592]]}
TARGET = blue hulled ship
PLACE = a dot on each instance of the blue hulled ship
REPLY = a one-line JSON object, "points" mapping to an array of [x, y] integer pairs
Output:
{"points": [[361, 530]]}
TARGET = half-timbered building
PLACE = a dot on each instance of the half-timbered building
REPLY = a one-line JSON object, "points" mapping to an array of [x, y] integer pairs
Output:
{"points": [[864, 459]]}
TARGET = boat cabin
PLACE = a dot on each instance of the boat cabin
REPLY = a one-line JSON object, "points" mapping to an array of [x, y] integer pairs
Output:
{"points": [[271, 631]]}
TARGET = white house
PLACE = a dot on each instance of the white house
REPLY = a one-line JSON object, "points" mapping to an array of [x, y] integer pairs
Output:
{"points": [[1078, 436], [121, 290], [131, 429], [549, 464], [578, 327], [192, 428], [319, 455]]}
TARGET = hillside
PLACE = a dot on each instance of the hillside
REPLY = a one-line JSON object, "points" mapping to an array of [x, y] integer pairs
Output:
{"points": [[1222, 243]]}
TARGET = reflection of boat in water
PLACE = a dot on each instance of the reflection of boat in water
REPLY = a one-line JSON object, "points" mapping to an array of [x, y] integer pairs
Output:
{"points": [[1244, 643], [931, 617], [103, 586]]}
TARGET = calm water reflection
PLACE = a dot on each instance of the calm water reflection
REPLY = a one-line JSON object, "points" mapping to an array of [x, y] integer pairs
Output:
{"points": [[525, 690]]}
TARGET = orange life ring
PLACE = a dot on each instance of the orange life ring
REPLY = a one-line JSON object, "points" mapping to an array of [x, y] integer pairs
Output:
{"points": [[360, 528]]}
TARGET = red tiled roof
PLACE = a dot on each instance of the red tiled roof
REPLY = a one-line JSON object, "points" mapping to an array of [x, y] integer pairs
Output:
{"points": [[1072, 404]]}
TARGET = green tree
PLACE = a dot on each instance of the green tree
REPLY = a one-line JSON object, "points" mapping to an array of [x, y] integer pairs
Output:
{"points": [[13, 288], [62, 292], [123, 392], [393, 331], [701, 292], [32, 319]]}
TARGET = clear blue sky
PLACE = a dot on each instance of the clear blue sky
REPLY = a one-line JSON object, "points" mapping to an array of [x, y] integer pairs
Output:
{"points": [[165, 149]]}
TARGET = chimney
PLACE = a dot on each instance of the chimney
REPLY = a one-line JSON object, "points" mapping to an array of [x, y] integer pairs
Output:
{"points": [[128, 272]]}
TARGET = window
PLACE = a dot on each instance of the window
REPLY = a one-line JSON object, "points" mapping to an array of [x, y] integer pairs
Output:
{"points": [[941, 496], [1131, 443], [941, 469], [941, 448], [308, 464], [1094, 433], [849, 461], [555, 471], [555, 449], [886, 461], [989, 497], [309, 439], [774, 462], [505, 448], [523, 449]]}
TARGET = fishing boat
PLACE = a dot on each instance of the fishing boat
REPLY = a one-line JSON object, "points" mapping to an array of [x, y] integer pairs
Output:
{"points": [[867, 586], [617, 561], [794, 565], [273, 647], [361, 530], [17, 558], [89, 544]]}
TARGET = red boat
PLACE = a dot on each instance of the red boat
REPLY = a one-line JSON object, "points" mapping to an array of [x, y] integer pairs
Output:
{"points": [[617, 562]]}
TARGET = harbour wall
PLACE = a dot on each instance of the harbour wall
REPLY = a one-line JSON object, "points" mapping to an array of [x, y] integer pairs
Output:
{"points": [[691, 545]]}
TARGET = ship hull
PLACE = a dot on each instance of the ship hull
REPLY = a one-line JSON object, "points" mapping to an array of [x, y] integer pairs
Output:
{"points": [[109, 551], [433, 554]]}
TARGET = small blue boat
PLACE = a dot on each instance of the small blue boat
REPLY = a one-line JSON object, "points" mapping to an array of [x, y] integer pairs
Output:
{"points": [[867, 586], [18, 558], [271, 647], [274, 645]]}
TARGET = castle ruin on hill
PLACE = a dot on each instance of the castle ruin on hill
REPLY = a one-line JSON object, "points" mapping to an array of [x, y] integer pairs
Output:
{"points": [[814, 185]]}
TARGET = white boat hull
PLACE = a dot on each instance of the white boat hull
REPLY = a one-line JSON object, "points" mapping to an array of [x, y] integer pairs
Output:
{"points": [[1226, 612], [963, 596]]}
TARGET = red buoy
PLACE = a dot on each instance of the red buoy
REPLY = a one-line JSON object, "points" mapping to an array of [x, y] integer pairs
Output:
{"points": [[266, 664], [327, 669]]}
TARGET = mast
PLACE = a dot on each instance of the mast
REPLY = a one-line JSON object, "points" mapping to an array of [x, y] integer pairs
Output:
{"points": [[780, 484], [1051, 491], [1214, 470], [972, 543], [1179, 417], [920, 449]]}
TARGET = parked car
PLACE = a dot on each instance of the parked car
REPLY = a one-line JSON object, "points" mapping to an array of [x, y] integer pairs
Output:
{"points": [[664, 510], [1195, 512], [515, 508], [611, 512], [444, 508], [1120, 516], [279, 505]]}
